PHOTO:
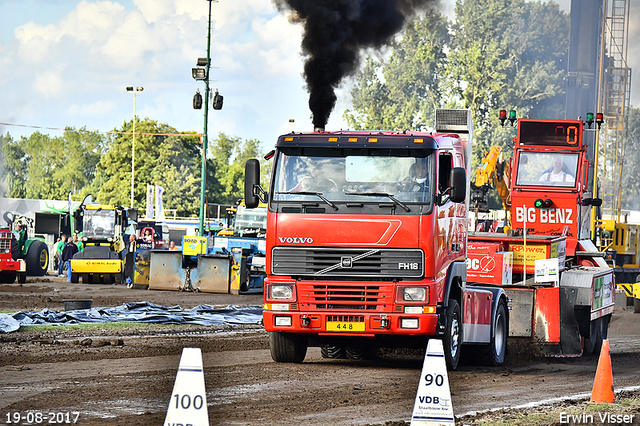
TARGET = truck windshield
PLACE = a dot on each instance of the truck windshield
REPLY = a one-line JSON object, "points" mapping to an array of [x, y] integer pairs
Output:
{"points": [[371, 176], [547, 169], [99, 223]]}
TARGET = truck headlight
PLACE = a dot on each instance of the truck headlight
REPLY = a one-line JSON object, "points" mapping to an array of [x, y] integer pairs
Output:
{"points": [[412, 294], [281, 291]]}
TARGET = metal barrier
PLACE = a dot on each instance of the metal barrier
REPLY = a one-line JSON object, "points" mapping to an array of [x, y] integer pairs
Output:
{"points": [[166, 271], [212, 274]]}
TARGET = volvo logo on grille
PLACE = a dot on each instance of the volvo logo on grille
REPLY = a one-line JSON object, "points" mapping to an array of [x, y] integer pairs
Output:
{"points": [[346, 262]]}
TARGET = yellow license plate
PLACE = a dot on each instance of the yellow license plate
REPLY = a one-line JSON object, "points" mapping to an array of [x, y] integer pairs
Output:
{"points": [[345, 326]]}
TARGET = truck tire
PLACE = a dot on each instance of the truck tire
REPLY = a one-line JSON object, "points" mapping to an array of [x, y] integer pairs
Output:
{"points": [[332, 351], [37, 259], [452, 339], [495, 353], [22, 277], [288, 347]]}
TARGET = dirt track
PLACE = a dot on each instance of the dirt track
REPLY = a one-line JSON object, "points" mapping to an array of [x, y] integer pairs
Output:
{"points": [[125, 376]]}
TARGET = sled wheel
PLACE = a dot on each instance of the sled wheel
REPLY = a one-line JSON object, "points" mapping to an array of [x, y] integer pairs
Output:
{"points": [[332, 351]]}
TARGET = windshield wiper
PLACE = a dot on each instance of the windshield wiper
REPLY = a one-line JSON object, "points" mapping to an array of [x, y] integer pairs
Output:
{"points": [[317, 194], [381, 194]]}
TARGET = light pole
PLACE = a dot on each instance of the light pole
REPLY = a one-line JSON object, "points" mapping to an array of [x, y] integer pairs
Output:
{"points": [[133, 144], [202, 74]]}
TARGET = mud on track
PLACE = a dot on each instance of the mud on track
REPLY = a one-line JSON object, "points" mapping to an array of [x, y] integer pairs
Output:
{"points": [[125, 376]]}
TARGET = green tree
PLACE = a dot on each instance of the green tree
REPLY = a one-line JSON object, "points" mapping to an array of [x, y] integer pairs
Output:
{"points": [[229, 156], [45, 167], [508, 54], [13, 166], [163, 157], [403, 92]]}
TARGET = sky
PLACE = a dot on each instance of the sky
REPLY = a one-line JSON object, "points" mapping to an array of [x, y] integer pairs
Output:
{"points": [[68, 62]]}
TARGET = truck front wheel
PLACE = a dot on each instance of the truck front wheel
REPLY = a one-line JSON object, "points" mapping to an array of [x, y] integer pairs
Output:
{"points": [[452, 339], [288, 347]]}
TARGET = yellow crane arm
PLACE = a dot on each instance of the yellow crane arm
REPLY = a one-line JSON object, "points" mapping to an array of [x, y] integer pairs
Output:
{"points": [[484, 173], [494, 170]]}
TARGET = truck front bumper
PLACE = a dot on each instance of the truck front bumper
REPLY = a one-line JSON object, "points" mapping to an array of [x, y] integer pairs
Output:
{"points": [[354, 324]]}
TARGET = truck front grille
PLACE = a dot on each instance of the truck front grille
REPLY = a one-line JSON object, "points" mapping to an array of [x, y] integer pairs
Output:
{"points": [[345, 296], [322, 262]]}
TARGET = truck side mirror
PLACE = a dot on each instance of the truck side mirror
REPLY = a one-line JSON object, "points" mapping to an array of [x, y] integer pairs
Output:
{"points": [[458, 179], [251, 180]]}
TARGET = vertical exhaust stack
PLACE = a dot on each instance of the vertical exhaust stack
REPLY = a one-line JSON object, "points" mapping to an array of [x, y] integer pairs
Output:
{"points": [[335, 33], [318, 129]]}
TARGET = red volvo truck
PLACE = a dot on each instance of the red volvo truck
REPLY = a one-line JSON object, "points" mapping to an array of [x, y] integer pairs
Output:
{"points": [[562, 291], [367, 244]]}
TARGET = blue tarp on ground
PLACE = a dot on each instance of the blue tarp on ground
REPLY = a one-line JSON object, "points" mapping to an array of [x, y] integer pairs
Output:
{"points": [[136, 312]]}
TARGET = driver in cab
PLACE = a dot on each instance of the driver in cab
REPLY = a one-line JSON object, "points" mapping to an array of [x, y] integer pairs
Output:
{"points": [[557, 173], [315, 181], [418, 176]]}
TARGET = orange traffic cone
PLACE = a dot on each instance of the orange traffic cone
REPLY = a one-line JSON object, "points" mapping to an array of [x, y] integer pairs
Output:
{"points": [[602, 391]]}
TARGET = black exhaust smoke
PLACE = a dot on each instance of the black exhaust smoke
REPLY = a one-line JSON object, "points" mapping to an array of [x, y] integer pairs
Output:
{"points": [[335, 32]]}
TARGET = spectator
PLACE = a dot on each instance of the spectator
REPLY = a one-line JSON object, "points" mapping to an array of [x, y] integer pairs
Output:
{"points": [[132, 243], [172, 246], [78, 242], [56, 255], [70, 248], [59, 247]]}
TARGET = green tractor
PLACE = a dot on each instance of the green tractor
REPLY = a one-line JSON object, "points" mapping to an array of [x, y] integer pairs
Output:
{"points": [[33, 251]]}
